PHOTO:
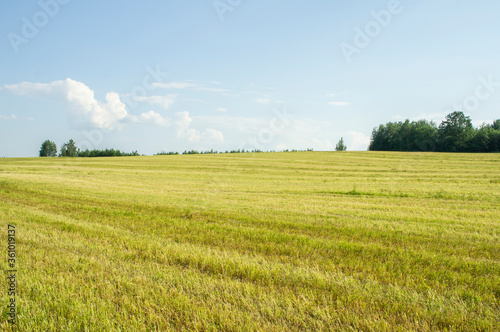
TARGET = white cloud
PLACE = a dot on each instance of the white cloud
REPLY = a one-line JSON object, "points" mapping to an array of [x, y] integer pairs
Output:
{"points": [[183, 130], [183, 121], [436, 117], [359, 141], [183, 124], [479, 123], [241, 125], [85, 108], [193, 86], [263, 101], [322, 145], [221, 109], [270, 133], [163, 101], [304, 133], [339, 103], [208, 89], [174, 85], [150, 117], [215, 135], [8, 117]]}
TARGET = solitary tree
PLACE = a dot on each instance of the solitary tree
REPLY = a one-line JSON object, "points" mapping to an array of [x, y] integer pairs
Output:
{"points": [[48, 149], [340, 145], [69, 149]]}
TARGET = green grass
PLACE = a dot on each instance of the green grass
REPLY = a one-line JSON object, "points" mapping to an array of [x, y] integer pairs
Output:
{"points": [[265, 241]]}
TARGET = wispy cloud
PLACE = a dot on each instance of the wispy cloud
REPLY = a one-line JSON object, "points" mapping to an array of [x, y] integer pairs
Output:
{"points": [[263, 101], [174, 85], [190, 85], [209, 89], [163, 101], [339, 103], [436, 117], [8, 117], [335, 94]]}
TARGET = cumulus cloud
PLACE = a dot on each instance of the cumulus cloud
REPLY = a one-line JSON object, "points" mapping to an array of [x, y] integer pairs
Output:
{"points": [[183, 120], [183, 123], [215, 135], [85, 108], [358, 141], [150, 117]]}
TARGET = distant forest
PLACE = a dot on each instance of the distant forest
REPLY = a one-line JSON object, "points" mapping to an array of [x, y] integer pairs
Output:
{"points": [[455, 134], [69, 149]]}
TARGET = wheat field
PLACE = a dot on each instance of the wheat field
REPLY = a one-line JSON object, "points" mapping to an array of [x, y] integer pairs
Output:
{"points": [[304, 241]]}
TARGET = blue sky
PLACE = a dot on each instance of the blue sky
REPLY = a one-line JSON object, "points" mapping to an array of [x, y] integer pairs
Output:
{"points": [[229, 74]]}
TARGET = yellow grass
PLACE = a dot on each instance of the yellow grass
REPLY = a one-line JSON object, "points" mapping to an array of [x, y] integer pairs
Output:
{"points": [[249, 242]]}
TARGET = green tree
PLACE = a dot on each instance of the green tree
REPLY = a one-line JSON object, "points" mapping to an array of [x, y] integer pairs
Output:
{"points": [[479, 140], [340, 145], [424, 136], [455, 134], [495, 125], [69, 149], [455, 131], [48, 149]]}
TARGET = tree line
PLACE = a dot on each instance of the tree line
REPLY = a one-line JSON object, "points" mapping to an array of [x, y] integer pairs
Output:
{"points": [[170, 153], [455, 134], [69, 149]]}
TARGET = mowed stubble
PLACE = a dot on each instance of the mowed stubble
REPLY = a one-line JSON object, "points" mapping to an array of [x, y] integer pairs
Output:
{"points": [[264, 241]]}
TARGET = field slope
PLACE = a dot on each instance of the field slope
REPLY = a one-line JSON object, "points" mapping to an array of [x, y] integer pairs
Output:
{"points": [[266, 241]]}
